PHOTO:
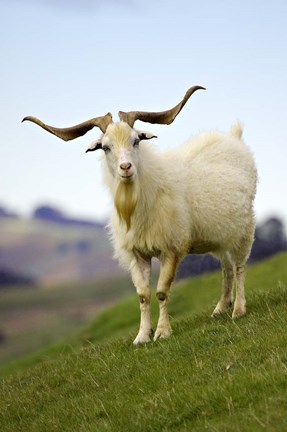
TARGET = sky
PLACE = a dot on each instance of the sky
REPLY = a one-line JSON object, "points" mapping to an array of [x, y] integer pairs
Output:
{"points": [[65, 61]]}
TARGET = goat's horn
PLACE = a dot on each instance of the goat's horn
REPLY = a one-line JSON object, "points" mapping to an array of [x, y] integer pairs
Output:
{"points": [[163, 117], [73, 132]]}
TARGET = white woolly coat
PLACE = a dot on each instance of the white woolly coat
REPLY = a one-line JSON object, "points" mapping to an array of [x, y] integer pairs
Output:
{"points": [[198, 198]]}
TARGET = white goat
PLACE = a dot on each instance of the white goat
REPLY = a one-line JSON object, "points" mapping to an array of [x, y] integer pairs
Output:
{"points": [[196, 199]]}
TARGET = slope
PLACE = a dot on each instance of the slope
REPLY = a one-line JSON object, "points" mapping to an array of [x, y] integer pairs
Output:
{"points": [[212, 374]]}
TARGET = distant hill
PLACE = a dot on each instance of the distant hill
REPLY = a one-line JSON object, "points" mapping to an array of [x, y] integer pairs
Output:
{"points": [[9, 278], [52, 248], [50, 214], [5, 213]]}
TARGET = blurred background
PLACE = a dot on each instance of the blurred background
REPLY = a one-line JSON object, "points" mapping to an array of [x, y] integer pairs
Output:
{"points": [[68, 61]]}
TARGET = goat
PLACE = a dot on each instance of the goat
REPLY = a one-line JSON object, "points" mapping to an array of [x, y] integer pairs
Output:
{"points": [[196, 199]]}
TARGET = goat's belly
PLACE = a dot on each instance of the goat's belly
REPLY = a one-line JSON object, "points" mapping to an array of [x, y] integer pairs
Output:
{"points": [[147, 252], [203, 247]]}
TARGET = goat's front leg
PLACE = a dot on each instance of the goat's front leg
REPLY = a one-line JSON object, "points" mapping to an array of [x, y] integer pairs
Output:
{"points": [[140, 272], [166, 277]]}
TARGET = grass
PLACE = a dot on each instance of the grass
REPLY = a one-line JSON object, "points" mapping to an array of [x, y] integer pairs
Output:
{"points": [[212, 374]]}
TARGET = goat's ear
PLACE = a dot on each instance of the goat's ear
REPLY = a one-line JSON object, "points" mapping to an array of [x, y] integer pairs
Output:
{"points": [[95, 145], [145, 135]]}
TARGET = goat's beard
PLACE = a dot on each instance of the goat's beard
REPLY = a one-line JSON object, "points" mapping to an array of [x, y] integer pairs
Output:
{"points": [[125, 201]]}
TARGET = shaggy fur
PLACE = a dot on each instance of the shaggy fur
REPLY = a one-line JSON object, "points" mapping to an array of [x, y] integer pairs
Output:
{"points": [[196, 199]]}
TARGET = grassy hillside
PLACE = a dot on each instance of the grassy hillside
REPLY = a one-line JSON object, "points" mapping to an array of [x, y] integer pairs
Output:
{"points": [[212, 374]]}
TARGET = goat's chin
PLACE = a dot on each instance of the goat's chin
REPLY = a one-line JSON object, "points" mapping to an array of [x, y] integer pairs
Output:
{"points": [[126, 197], [127, 178]]}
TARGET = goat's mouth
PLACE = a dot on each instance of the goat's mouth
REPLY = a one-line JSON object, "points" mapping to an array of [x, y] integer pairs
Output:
{"points": [[126, 177], [126, 174]]}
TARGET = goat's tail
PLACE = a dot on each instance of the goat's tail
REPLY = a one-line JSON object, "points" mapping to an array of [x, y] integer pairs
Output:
{"points": [[237, 130]]}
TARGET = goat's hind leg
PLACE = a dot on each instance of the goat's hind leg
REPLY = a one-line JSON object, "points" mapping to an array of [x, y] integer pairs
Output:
{"points": [[239, 304], [240, 257], [140, 272], [225, 301]]}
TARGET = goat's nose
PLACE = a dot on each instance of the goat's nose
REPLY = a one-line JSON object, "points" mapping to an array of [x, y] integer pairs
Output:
{"points": [[125, 166]]}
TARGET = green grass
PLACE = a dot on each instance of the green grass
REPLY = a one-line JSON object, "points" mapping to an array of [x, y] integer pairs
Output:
{"points": [[187, 298], [211, 374]]}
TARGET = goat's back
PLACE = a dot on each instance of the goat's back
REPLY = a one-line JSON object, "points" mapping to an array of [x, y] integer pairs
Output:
{"points": [[220, 176]]}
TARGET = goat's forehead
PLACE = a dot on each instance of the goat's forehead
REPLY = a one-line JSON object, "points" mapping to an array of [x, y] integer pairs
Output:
{"points": [[120, 134]]}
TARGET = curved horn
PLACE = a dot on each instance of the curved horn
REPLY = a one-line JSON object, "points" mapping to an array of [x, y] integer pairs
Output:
{"points": [[76, 131], [163, 117]]}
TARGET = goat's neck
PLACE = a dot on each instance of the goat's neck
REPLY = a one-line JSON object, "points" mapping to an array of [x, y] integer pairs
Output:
{"points": [[149, 185]]}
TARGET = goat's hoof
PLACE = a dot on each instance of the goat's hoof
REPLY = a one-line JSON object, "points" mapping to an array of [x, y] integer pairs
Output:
{"points": [[142, 338], [221, 308], [162, 333], [238, 312], [215, 313]]}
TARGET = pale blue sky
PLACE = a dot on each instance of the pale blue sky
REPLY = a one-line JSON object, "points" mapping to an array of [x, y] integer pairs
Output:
{"points": [[66, 61]]}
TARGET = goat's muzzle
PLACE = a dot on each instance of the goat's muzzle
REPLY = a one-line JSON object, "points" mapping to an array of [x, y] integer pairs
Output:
{"points": [[126, 171]]}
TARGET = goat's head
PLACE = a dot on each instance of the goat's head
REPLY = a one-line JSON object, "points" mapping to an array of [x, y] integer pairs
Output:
{"points": [[120, 144], [119, 141]]}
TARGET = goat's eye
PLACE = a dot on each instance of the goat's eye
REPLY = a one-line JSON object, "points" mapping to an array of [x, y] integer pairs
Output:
{"points": [[106, 149], [136, 142]]}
